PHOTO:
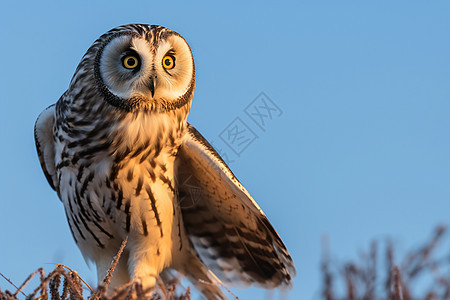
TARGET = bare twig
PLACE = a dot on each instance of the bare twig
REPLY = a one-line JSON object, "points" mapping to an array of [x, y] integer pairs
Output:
{"points": [[327, 291], [40, 270], [111, 269], [11, 283], [361, 280], [398, 291]]}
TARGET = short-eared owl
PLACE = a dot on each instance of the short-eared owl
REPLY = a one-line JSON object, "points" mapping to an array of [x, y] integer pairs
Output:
{"points": [[117, 149]]}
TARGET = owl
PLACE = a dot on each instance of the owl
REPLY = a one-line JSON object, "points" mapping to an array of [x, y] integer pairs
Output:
{"points": [[117, 149]]}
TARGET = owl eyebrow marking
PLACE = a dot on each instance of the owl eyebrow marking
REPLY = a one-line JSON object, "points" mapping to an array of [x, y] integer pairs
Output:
{"points": [[170, 52], [129, 51]]}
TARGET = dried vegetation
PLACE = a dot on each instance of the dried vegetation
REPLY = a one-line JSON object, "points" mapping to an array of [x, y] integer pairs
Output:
{"points": [[423, 273]]}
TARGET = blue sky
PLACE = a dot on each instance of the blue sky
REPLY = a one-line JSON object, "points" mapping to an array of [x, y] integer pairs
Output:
{"points": [[359, 148]]}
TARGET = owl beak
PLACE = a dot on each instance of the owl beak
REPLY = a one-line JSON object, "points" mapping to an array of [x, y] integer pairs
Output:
{"points": [[151, 85]]}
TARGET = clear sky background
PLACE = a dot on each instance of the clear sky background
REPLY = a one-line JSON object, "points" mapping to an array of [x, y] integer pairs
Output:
{"points": [[360, 150]]}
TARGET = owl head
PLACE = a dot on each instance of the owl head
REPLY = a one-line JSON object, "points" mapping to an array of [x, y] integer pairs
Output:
{"points": [[140, 67]]}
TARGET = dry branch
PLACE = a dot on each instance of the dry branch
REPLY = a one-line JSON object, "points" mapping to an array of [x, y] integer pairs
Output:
{"points": [[370, 279]]}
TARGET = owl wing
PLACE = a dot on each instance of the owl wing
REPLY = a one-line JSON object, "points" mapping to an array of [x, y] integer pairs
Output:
{"points": [[224, 223], [43, 136]]}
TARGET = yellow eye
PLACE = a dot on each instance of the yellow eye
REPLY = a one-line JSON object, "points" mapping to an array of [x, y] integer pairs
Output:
{"points": [[168, 62], [130, 62]]}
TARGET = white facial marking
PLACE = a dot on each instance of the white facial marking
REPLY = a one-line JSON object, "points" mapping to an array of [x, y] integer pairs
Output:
{"points": [[126, 83]]}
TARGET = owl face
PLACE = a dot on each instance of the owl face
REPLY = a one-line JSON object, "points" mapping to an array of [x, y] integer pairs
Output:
{"points": [[145, 67]]}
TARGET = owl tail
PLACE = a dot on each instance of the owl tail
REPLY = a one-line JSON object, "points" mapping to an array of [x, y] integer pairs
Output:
{"points": [[202, 278], [206, 282]]}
